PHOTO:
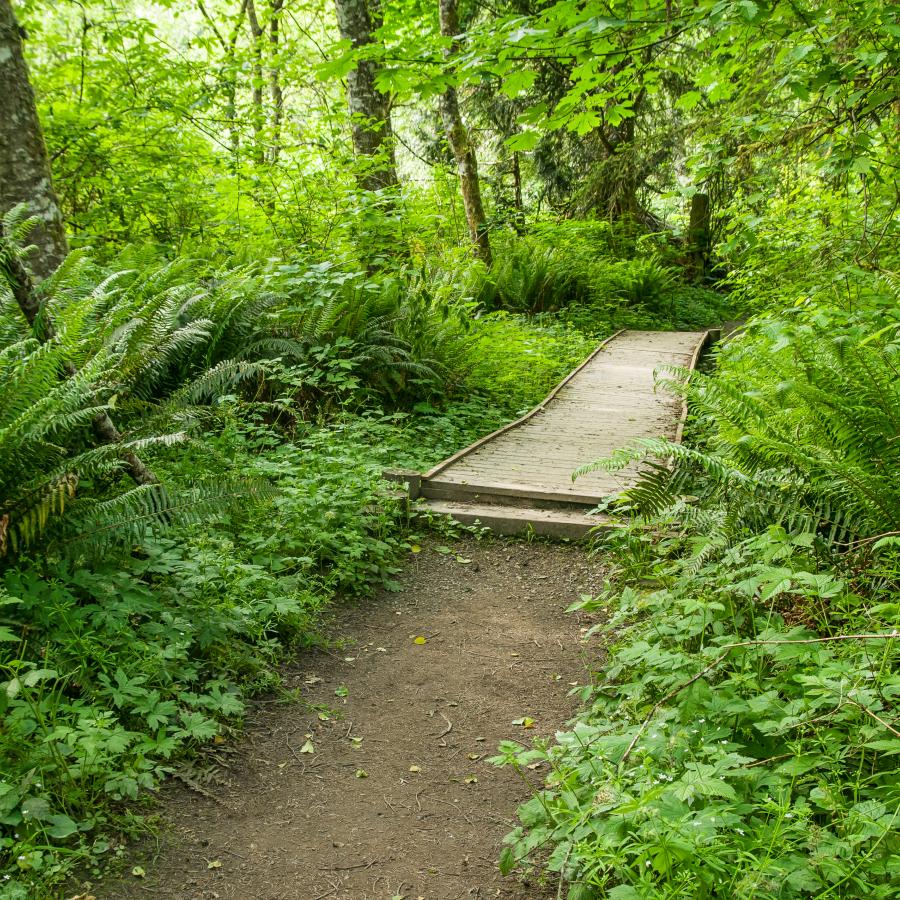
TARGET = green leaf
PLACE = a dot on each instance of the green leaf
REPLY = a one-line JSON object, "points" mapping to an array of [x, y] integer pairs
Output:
{"points": [[523, 141], [61, 827], [35, 809], [689, 100], [36, 676], [624, 892], [517, 82]]}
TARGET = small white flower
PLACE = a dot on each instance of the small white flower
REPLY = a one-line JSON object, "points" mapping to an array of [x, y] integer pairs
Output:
{"points": [[740, 831]]}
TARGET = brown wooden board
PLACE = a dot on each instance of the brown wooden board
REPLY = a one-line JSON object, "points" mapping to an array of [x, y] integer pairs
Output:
{"points": [[610, 401]]}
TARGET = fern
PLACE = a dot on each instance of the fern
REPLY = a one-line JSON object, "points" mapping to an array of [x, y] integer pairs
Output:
{"points": [[129, 518], [804, 431]]}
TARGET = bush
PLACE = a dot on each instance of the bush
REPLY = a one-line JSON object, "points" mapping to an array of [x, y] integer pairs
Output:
{"points": [[729, 749], [741, 740], [514, 363]]}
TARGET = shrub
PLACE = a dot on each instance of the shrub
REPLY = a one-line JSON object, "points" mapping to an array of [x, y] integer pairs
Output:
{"points": [[741, 739]]}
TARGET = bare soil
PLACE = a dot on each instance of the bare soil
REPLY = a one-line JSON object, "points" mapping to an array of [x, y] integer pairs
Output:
{"points": [[377, 785]]}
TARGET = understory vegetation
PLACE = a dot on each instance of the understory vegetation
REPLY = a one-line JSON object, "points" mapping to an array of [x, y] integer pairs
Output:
{"points": [[741, 739], [252, 254], [269, 398]]}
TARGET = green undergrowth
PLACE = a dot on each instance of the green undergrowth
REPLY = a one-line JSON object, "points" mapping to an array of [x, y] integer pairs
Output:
{"points": [[741, 738], [121, 662], [728, 748], [267, 397], [597, 278]]}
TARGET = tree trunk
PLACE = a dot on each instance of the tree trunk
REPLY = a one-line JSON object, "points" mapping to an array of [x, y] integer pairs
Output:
{"points": [[24, 168], [698, 236], [275, 80], [519, 220], [25, 178], [370, 110], [463, 151], [257, 113], [228, 50]]}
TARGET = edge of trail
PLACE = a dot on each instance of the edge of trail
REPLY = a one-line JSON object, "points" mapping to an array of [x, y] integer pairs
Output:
{"points": [[378, 784]]}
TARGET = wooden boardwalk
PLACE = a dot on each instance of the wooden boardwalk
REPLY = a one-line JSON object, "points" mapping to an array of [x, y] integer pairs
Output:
{"points": [[521, 475]]}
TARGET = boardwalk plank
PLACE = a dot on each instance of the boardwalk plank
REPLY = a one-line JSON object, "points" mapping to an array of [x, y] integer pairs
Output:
{"points": [[609, 402]]}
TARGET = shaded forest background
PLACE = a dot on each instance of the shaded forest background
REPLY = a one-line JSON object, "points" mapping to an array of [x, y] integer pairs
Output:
{"points": [[255, 251]]}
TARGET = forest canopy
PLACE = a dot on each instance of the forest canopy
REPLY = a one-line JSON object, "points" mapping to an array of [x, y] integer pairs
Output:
{"points": [[254, 252]]}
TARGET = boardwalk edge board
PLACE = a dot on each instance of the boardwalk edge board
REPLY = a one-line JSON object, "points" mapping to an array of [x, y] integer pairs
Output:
{"points": [[441, 466], [502, 498]]}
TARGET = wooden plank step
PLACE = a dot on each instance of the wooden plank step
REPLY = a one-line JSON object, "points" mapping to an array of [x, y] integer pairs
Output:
{"points": [[520, 476], [510, 520], [506, 491]]}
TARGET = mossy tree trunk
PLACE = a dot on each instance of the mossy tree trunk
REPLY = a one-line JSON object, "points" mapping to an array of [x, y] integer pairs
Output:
{"points": [[699, 236], [370, 109], [25, 178], [24, 167], [461, 145]]}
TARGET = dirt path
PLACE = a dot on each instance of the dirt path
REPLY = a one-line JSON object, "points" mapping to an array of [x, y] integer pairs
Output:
{"points": [[396, 797]]}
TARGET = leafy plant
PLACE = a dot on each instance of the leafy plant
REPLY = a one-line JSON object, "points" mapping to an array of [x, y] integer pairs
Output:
{"points": [[725, 750]]}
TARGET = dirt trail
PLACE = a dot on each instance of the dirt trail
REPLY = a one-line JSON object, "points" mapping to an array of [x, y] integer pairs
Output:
{"points": [[388, 803]]}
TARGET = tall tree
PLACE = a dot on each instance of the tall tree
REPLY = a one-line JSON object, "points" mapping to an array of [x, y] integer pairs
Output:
{"points": [[257, 115], [229, 78], [460, 143], [275, 79], [25, 178], [24, 167], [370, 109]]}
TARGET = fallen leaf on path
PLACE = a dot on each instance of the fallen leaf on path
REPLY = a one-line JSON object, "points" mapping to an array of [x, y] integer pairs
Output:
{"points": [[214, 864], [308, 748], [138, 872], [314, 679], [415, 769], [471, 779], [525, 722], [362, 773], [474, 756], [420, 640]]}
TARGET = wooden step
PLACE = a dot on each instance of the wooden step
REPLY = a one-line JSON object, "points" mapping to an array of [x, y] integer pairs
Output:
{"points": [[555, 523], [509, 493]]}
